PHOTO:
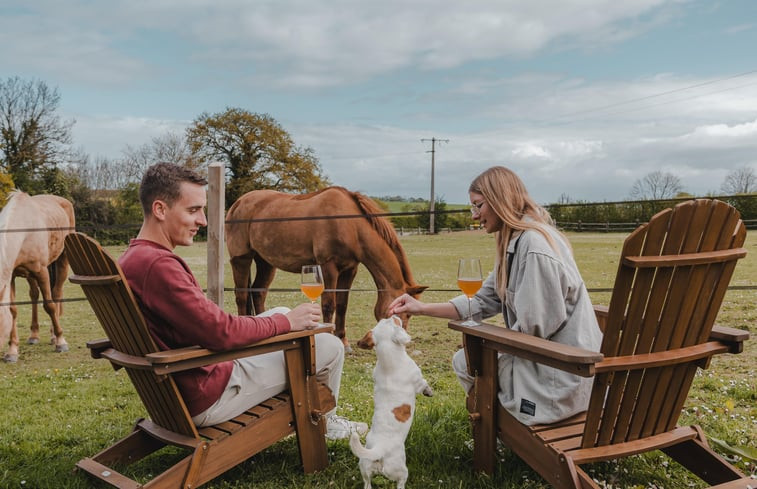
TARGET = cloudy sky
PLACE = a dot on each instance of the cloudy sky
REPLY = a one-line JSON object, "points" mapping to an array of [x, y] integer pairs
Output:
{"points": [[580, 97]]}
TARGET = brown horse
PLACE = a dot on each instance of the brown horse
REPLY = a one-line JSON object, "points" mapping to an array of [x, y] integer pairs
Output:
{"points": [[286, 231], [32, 230]]}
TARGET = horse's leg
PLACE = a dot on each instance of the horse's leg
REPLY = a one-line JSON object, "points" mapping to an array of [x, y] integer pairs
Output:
{"points": [[34, 296], [11, 356], [264, 274], [60, 273], [240, 268], [344, 282], [51, 308], [330, 277]]}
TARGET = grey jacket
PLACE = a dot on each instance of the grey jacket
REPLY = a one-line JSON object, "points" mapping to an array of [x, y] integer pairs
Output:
{"points": [[546, 297]]}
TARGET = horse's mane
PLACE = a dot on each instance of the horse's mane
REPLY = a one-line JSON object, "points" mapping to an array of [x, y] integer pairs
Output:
{"points": [[380, 224], [5, 212], [384, 228]]}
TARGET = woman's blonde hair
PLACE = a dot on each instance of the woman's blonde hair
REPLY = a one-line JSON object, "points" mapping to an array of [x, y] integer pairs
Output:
{"points": [[506, 195]]}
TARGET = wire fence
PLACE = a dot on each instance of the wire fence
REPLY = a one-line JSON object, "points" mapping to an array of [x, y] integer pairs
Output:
{"points": [[606, 227]]}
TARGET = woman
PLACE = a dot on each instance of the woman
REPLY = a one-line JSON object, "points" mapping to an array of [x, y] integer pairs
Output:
{"points": [[537, 287]]}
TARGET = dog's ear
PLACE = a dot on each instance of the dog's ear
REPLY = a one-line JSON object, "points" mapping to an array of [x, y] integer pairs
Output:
{"points": [[366, 342]]}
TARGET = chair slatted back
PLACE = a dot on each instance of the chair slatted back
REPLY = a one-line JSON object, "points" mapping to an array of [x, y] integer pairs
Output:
{"points": [[116, 308], [672, 276]]}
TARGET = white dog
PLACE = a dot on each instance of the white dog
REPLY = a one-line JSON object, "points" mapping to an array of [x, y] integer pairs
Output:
{"points": [[397, 379]]}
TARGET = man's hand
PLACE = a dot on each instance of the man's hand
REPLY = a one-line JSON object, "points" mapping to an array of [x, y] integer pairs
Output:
{"points": [[304, 316]]}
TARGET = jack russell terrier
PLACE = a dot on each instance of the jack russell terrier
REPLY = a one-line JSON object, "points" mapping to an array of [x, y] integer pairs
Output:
{"points": [[396, 381]]}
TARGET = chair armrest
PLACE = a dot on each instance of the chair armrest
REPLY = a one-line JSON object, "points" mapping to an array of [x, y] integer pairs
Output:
{"points": [[732, 337], [564, 357], [702, 351], [96, 347], [177, 360]]}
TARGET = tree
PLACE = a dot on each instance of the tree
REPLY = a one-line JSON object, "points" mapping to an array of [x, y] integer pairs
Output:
{"points": [[33, 139], [6, 185], [170, 147], [257, 151], [740, 181], [656, 185]]}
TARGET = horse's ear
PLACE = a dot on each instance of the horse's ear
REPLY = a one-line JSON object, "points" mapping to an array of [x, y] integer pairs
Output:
{"points": [[415, 290]]}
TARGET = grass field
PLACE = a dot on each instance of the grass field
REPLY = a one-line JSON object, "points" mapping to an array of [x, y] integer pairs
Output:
{"points": [[58, 408]]}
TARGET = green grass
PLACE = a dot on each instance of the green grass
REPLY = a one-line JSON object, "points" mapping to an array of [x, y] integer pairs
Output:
{"points": [[59, 408], [397, 206]]}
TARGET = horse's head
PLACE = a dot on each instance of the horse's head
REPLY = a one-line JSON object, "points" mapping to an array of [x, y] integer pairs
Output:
{"points": [[382, 306]]}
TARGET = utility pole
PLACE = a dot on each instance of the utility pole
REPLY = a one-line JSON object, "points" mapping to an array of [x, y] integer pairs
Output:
{"points": [[431, 229]]}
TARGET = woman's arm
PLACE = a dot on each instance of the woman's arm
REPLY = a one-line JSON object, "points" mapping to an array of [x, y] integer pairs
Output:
{"points": [[409, 305]]}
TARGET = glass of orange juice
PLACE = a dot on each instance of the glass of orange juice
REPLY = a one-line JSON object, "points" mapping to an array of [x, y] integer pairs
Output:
{"points": [[311, 282], [469, 280]]}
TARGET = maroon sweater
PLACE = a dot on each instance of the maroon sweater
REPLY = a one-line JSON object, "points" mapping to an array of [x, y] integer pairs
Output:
{"points": [[179, 314]]}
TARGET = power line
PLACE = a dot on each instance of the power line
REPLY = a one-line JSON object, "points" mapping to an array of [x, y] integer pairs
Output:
{"points": [[668, 102], [668, 92]]}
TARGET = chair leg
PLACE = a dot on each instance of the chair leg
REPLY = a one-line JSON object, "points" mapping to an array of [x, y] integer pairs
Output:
{"points": [[304, 390], [697, 456], [554, 466], [482, 407], [133, 447], [584, 479]]}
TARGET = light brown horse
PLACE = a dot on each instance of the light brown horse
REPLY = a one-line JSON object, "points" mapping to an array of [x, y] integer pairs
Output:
{"points": [[32, 230], [278, 230]]}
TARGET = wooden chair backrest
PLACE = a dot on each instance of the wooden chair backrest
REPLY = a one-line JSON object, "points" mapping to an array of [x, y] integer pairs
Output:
{"points": [[672, 276], [116, 308]]}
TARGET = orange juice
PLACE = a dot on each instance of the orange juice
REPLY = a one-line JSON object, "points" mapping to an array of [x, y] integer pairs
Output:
{"points": [[313, 291], [469, 286]]}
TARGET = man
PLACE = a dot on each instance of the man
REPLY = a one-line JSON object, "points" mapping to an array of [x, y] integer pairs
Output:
{"points": [[179, 314]]}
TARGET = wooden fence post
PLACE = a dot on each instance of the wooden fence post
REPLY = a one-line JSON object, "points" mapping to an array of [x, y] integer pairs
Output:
{"points": [[216, 216]]}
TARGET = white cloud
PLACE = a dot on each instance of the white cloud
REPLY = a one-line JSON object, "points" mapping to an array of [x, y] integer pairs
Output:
{"points": [[298, 42], [331, 64]]}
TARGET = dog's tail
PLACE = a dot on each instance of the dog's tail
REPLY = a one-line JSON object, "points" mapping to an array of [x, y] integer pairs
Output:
{"points": [[361, 452]]}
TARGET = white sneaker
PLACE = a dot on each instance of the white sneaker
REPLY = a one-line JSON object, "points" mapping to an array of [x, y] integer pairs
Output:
{"points": [[338, 427]]}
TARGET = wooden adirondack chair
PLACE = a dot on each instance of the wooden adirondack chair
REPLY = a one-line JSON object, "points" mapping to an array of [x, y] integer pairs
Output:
{"points": [[212, 450], [658, 330]]}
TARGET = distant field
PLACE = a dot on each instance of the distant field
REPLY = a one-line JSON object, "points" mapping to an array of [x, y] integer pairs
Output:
{"points": [[395, 206]]}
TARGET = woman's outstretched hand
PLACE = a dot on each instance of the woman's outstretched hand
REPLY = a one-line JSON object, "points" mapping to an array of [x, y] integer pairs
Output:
{"points": [[405, 304]]}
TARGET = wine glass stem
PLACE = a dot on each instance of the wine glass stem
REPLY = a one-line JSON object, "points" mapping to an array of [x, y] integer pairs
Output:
{"points": [[470, 314]]}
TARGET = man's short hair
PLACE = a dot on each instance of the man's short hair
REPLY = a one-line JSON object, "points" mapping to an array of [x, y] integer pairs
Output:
{"points": [[162, 181]]}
